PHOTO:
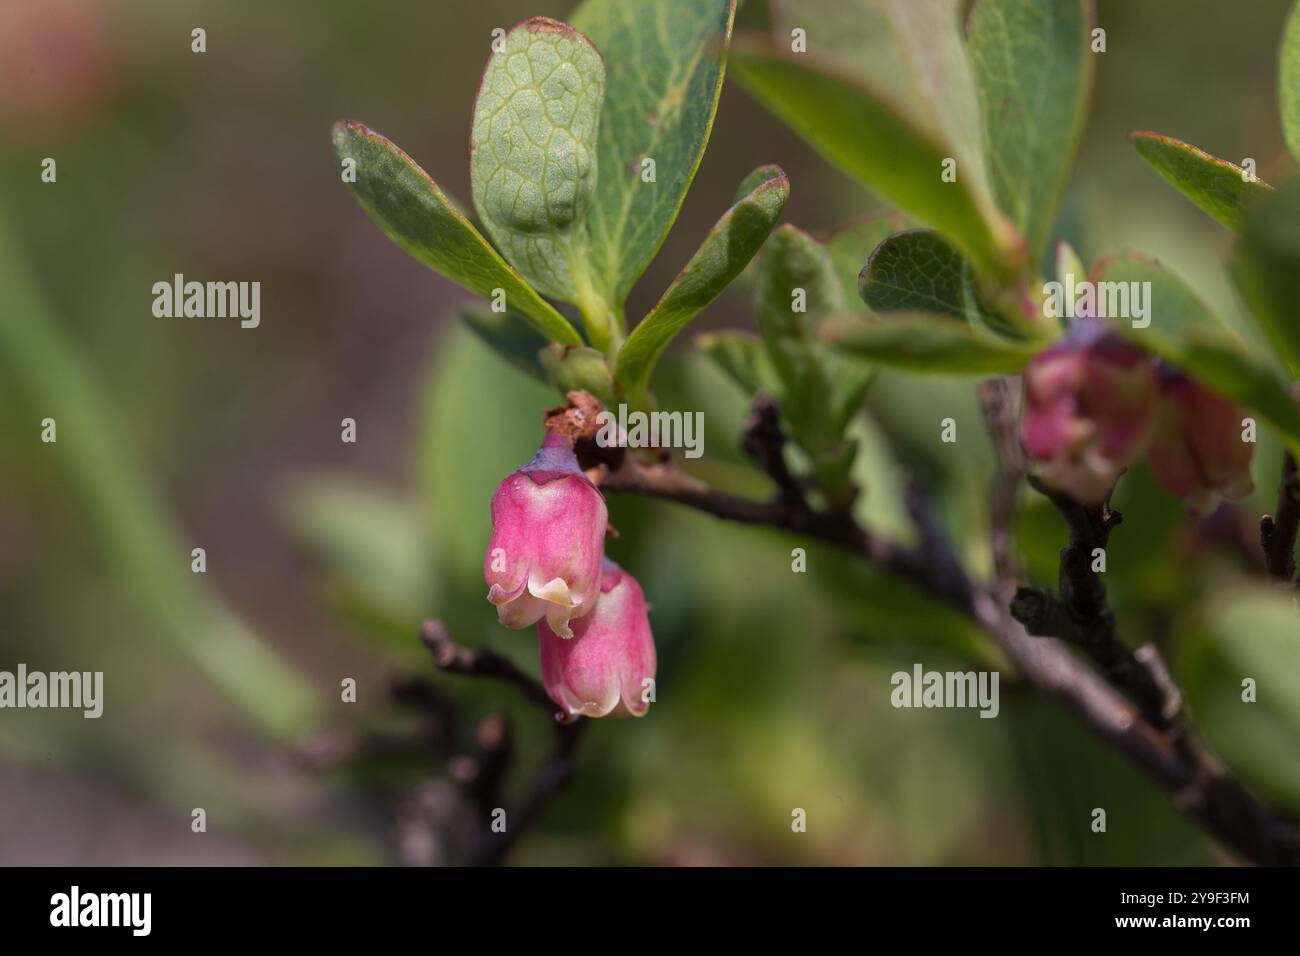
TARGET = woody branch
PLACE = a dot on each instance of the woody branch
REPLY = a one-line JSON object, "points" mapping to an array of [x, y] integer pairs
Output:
{"points": [[482, 773]]}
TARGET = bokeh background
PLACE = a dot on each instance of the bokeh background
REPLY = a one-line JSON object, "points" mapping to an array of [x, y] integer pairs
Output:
{"points": [[222, 689]]}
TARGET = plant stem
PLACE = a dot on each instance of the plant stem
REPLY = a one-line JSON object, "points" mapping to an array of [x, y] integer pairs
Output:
{"points": [[1000, 401], [1082, 616], [450, 657], [603, 324], [1277, 534]]}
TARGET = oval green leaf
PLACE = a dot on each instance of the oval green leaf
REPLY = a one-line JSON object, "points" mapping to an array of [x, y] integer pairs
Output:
{"points": [[1034, 77], [533, 152], [665, 68], [861, 131], [1171, 306], [412, 211], [927, 343], [725, 252], [1216, 185], [797, 284], [917, 271]]}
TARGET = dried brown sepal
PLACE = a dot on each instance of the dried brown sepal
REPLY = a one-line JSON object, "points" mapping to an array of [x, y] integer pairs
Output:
{"points": [[578, 422]]}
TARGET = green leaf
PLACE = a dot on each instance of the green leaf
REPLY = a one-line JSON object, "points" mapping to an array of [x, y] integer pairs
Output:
{"points": [[1214, 184], [725, 252], [849, 377], [412, 211], [1067, 269], [858, 129], [758, 177], [929, 33], [1173, 308], [664, 60], [1034, 75], [533, 160], [1289, 83], [1267, 270], [578, 367], [850, 246], [509, 336], [797, 279], [744, 359], [910, 51], [917, 271], [1068, 263], [1188, 336], [859, 35], [796, 283], [927, 343]]}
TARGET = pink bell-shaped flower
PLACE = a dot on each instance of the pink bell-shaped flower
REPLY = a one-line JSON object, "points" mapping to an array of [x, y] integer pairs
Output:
{"points": [[1198, 451], [608, 667], [548, 540], [1090, 403]]}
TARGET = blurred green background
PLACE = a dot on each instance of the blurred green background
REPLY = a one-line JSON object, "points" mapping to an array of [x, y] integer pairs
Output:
{"points": [[222, 690]]}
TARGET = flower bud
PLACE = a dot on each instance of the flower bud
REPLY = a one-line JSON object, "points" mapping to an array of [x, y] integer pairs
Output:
{"points": [[605, 668], [1197, 451], [1090, 403], [548, 540]]}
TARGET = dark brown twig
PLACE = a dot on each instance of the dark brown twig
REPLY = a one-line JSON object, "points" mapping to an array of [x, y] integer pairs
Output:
{"points": [[1277, 533], [482, 773], [550, 780], [1081, 614], [1000, 400], [764, 442], [450, 657]]}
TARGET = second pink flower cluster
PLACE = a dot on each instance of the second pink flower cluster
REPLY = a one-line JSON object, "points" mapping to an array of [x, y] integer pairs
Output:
{"points": [[1094, 404], [546, 565]]}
